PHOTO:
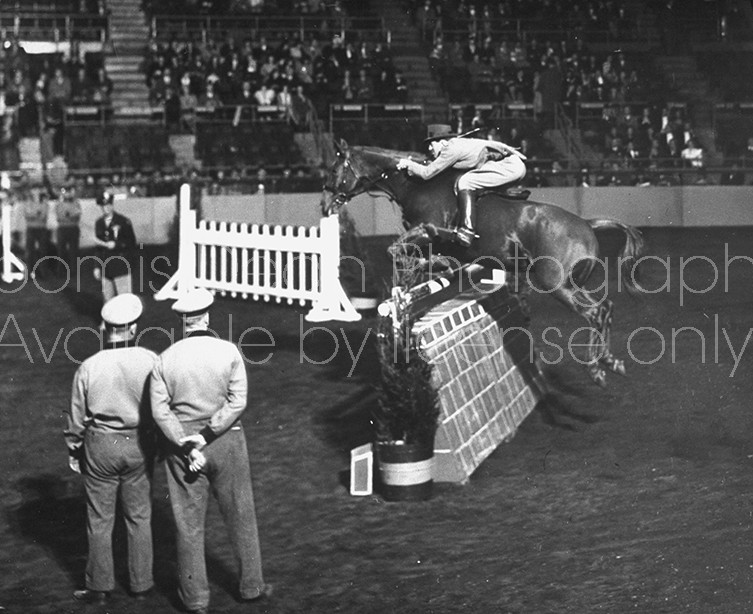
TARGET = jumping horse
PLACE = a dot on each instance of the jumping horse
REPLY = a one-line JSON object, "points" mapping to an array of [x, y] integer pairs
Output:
{"points": [[560, 249]]}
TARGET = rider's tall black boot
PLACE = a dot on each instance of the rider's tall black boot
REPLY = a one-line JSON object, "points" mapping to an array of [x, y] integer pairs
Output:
{"points": [[464, 232]]}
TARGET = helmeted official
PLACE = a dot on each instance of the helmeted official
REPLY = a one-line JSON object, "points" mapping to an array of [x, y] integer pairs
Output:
{"points": [[109, 441], [198, 391], [116, 244]]}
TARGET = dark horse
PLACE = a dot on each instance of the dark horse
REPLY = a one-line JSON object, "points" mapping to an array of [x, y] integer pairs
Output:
{"points": [[560, 249]]}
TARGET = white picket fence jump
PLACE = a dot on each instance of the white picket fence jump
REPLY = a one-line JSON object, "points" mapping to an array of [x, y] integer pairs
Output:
{"points": [[261, 261], [13, 268]]}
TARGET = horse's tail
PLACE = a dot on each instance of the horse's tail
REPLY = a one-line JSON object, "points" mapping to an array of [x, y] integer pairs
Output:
{"points": [[632, 250]]}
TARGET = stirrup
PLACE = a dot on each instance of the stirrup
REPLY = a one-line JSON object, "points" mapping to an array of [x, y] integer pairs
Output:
{"points": [[464, 236]]}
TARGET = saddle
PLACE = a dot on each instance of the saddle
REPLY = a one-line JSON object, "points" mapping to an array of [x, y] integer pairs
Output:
{"points": [[508, 190], [513, 192]]}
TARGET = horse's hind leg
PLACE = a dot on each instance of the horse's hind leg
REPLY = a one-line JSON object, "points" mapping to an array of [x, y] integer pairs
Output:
{"points": [[604, 319], [581, 302]]}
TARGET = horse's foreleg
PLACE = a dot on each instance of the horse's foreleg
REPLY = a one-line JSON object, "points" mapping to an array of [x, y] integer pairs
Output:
{"points": [[608, 359], [596, 344]]}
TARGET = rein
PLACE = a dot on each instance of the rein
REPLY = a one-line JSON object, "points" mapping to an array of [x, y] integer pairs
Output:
{"points": [[342, 198]]}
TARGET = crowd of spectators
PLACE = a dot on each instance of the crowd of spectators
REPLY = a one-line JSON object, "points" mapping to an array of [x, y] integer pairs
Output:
{"points": [[592, 19], [301, 70], [294, 73], [479, 51], [35, 90]]}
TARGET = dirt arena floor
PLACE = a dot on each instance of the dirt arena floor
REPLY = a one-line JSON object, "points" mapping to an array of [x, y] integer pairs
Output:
{"points": [[633, 498]]}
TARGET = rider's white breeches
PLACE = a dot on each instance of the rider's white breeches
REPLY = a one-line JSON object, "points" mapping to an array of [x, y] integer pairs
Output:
{"points": [[492, 174]]}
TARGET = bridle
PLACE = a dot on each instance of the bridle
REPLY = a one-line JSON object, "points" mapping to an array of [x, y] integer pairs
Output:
{"points": [[362, 184]]}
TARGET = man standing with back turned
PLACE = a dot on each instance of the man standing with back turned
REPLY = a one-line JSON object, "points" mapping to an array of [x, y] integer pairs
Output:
{"points": [[198, 391], [109, 441]]}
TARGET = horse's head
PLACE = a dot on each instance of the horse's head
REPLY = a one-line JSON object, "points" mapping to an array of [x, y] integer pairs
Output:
{"points": [[341, 180], [353, 173]]}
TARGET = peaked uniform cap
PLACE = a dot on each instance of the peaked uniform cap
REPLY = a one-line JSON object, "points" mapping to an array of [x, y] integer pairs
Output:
{"points": [[193, 302], [122, 310], [106, 198]]}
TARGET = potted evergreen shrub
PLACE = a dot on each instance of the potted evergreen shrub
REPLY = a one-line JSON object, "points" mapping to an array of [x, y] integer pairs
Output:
{"points": [[405, 417]]}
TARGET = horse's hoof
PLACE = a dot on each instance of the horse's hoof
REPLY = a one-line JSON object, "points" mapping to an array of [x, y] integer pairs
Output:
{"points": [[618, 366], [599, 376]]}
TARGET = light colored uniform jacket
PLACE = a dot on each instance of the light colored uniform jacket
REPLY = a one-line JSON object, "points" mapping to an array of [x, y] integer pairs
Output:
{"points": [[198, 385], [108, 393], [490, 163]]}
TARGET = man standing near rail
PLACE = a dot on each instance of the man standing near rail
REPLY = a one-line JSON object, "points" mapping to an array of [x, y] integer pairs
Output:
{"points": [[68, 214], [198, 390], [116, 243]]}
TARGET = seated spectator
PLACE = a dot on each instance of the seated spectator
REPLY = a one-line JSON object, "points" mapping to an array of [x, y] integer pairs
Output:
{"points": [[265, 95], [347, 89], [161, 83], [102, 92], [615, 153], [210, 99], [626, 119], [688, 133], [284, 100], [692, 154], [188, 103], [364, 87], [401, 88], [81, 87], [612, 139], [59, 88], [646, 120], [515, 139], [632, 154]]}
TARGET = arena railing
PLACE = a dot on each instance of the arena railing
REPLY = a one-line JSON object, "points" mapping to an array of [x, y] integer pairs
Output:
{"points": [[462, 114], [158, 182], [523, 29], [583, 112], [370, 112], [106, 113], [205, 27], [54, 27]]}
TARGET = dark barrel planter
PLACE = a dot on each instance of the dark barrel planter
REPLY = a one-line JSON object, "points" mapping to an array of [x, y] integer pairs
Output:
{"points": [[405, 471]]}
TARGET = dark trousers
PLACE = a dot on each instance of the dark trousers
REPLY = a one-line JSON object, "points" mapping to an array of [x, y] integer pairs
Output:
{"points": [[67, 248], [228, 475], [37, 246], [116, 464]]}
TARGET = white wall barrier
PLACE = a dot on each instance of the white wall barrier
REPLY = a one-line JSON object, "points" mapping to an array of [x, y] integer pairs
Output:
{"points": [[13, 268], [261, 261]]}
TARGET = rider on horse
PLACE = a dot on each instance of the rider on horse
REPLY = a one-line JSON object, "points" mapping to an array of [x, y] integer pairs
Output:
{"points": [[491, 164]]}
